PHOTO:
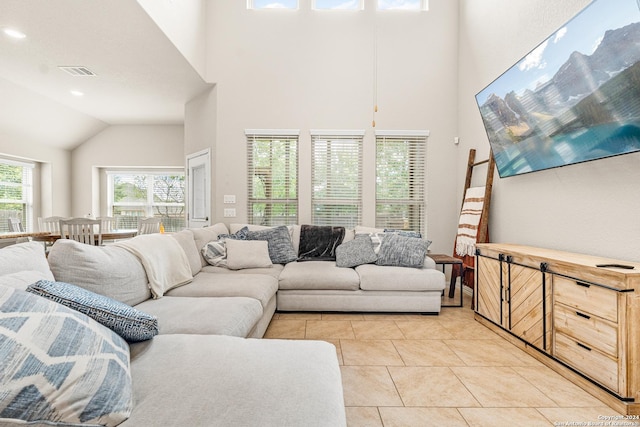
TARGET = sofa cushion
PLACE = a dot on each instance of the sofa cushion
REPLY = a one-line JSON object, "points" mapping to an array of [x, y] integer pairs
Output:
{"points": [[280, 247], [273, 271], [319, 242], [243, 254], [59, 367], [387, 278], [106, 270], [318, 275], [21, 257], [228, 381], [257, 286], [204, 235], [186, 239], [402, 251], [355, 252], [236, 316], [131, 324]]}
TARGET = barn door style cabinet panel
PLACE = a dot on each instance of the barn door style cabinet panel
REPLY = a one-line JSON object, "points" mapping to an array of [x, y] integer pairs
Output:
{"points": [[578, 314]]}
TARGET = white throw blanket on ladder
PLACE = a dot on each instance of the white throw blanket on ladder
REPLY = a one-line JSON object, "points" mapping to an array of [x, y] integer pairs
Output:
{"points": [[469, 221]]}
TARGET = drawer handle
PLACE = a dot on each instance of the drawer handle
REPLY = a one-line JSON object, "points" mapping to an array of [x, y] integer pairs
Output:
{"points": [[583, 346], [583, 315], [584, 285]]}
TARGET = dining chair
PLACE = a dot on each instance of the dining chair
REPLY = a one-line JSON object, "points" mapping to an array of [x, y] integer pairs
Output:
{"points": [[15, 225], [50, 224], [149, 225], [108, 223], [82, 230]]}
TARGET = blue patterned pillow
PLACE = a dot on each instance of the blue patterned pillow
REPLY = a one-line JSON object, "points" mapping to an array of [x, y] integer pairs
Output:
{"points": [[59, 367], [131, 324]]}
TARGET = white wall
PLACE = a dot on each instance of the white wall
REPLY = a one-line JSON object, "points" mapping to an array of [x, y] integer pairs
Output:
{"points": [[588, 208], [184, 24], [121, 146], [308, 69]]}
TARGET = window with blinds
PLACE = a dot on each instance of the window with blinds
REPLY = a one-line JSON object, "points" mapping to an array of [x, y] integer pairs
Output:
{"points": [[272, 167], [336, 171], [400, 180], [136, 194], [16, 193]]}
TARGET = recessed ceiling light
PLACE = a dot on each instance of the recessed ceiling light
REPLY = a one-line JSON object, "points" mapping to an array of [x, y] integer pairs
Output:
{"points": [[77, 93], [14, 33]]}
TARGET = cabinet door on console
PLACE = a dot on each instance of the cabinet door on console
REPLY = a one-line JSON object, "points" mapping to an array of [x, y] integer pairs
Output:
{"points": [[529, 301], [489, 297]]}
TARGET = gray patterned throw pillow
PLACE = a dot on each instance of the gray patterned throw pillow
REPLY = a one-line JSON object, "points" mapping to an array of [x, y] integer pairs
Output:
{"points": [[280, 247], [356, 252], [402, 251]]}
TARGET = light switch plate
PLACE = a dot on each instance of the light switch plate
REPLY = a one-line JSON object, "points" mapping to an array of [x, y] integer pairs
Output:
{"points": [[230, 213], [229, 198]]}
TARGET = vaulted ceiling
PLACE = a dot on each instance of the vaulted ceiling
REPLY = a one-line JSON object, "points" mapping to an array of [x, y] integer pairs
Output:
{"points": [[140, 76]]}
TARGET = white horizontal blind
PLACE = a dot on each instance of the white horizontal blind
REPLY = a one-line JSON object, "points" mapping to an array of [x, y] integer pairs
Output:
{"points": [[16, 193], [400, 181], [272, 167], [136, 194], [336, 171]]}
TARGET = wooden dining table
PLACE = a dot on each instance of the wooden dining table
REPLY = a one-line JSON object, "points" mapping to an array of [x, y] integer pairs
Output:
{"points": [[18, 234], [106, 235]]}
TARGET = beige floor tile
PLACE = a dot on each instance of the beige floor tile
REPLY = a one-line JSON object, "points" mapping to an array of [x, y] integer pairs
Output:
{"points": [[329, 329], [370, 352], [501, 387], [581, 416], [359, 416], [504, 417], [395, 316], [283, 329], [562, 391], [299, 315], [369, 386], [376, 330], [468, 328], [496, 352], [342, 316], [423, 417], [431, 386], [424, 330], [426, 353]]}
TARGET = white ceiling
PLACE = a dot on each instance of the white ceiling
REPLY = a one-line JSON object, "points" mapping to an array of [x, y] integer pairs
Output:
{"points": [[141, 77]]}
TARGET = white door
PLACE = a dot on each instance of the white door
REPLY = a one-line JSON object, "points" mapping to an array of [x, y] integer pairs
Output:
{"points": [[199, 189]]}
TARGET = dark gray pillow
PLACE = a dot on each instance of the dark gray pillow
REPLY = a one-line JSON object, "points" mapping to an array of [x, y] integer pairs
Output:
{"points": [[319, 242], [402, 251], [356, 252], [280, 247]]}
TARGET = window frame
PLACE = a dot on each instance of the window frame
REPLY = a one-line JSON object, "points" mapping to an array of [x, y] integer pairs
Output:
{"points": [[424, 6], [330, 136], [149, 205], [417, 141], [27, 191], [290, 203], [251, 5]]}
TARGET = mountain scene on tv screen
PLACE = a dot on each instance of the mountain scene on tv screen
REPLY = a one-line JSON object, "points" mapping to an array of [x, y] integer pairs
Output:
{"points": [[589, 109]]}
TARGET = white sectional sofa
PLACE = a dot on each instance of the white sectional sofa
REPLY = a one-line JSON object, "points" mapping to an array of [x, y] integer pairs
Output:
{"points": [[205, 366]]}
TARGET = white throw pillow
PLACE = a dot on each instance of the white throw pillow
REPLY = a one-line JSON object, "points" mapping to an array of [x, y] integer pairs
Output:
{"points": [[247, 254]]}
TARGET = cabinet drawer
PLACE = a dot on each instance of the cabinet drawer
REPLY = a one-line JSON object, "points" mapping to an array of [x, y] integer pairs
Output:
{"points": [[587, 329], [588, 299], [592, 363]]}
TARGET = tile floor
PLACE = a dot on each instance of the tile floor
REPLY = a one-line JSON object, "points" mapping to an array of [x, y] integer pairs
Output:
{"points": [[445, 370]]}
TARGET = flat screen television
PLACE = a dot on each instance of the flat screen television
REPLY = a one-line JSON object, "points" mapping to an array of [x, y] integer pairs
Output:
{"points": [[574, 98]]}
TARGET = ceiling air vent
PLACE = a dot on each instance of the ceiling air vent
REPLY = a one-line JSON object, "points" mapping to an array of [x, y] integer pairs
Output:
{"points": [[77, 71]]}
